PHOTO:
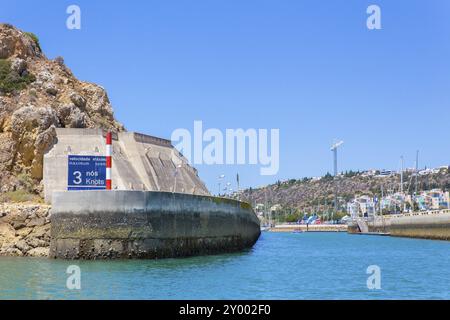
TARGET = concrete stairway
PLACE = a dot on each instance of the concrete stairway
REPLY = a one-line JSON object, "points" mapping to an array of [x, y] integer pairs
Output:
{"points": [[363, 226]]}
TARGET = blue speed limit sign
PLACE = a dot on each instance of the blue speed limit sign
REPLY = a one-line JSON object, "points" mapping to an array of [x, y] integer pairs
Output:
{"points": [[86, 173]]}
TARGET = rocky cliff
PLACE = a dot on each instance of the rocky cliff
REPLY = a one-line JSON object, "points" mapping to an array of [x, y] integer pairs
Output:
{"points": [[38, 95], [24, 230]]}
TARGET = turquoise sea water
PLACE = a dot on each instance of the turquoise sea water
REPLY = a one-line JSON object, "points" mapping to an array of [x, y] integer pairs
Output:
{"points": [[280, 266]]}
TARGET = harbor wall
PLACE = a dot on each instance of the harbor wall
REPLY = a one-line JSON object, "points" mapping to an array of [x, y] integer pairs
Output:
{"points": [[425, 225], [435, 225], [138, 224], [310, 228]]}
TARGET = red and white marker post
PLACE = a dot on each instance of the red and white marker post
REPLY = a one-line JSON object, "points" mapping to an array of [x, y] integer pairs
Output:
{"points": [[108, 160]]}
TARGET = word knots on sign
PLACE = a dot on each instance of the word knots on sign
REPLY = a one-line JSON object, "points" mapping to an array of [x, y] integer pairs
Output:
{"points": [[86, 173]]}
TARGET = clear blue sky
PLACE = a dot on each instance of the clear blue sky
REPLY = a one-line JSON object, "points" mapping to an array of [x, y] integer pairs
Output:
{"points": [[310, 68]]}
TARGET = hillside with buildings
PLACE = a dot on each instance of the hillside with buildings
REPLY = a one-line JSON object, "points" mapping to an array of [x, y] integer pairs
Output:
{"points": [[380, 188]]}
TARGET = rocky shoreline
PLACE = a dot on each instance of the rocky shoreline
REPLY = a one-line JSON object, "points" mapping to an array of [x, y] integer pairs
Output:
{"points": [[24, 229]]}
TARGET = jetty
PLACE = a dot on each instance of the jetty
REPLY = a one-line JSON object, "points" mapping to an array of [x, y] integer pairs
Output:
{"points": [[433, 224], [309, 228], [130, 195]]}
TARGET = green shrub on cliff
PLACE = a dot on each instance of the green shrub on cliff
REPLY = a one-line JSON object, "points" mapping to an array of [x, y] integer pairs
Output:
{"points": [[10, 80], [26, 183], [34, 38]]}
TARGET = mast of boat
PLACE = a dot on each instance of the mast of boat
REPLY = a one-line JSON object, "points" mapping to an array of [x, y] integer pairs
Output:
{"points": [[402, 160], [266, 212], [417, 173]]}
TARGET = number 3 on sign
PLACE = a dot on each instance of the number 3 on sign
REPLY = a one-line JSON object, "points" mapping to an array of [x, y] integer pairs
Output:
{"points": [[77, 177]]}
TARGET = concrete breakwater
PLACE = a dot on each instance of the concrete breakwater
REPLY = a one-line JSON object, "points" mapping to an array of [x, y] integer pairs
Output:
{"points": [[426, 225], [310, 228], [140, 224]]}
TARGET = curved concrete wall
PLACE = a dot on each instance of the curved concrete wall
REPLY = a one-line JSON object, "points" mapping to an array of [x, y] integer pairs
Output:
{"points": [[140, 162], [137, 224]]}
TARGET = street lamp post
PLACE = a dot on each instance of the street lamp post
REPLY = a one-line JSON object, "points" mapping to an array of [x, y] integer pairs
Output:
{"points": [[176, 176], [221, 177], [228, 188]]}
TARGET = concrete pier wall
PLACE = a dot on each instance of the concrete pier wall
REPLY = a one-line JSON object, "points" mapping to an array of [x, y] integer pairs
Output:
{"points": [[426, 225], [430, 226], [310, 228], [137, 224]]}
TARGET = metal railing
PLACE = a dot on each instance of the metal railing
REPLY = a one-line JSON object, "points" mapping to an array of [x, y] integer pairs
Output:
{"points": [[415, 214], [412, 214]]}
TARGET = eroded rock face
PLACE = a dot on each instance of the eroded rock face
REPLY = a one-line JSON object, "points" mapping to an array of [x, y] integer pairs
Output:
{"points": [[33, 134], [29, 116], [15, 42], [72, 117], [19, 65]]}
